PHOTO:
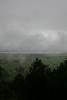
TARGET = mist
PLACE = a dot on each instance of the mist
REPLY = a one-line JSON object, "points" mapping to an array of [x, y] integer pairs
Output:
{"points": [[33, 26]]}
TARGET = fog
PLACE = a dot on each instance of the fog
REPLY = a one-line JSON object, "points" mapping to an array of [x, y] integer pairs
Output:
{"points": [[34, 26]]}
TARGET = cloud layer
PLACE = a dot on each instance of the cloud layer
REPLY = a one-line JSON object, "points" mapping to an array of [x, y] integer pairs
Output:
{"points": [[34, 26]]}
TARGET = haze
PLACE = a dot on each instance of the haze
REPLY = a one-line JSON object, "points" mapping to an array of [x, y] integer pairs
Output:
{"points": [[33, 26]]}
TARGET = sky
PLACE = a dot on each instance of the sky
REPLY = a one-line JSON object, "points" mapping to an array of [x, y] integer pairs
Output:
{"points": [[33, 26]]}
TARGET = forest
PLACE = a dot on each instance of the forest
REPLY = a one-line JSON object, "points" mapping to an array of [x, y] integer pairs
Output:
{"points": [[40, 82]]}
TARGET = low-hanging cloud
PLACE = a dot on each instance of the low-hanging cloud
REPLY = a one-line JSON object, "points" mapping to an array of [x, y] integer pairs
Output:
{"points": [[39, 26], [16, 37]]}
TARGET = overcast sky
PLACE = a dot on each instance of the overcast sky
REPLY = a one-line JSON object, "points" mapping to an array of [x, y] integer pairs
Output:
{"points": [[33, 25]]}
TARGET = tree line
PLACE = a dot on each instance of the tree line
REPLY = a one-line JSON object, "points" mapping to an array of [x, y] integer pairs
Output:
{"points": [[39, 83]]}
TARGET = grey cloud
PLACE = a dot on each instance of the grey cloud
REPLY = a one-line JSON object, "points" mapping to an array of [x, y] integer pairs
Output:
{"points": [[25, 23], [47, 14], [34, 43]]}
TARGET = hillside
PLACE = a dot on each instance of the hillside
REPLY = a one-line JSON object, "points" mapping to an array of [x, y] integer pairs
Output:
{"points": [[11, 62]]}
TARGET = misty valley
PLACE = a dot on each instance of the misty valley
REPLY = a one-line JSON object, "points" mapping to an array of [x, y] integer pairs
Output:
{"points": [[32, 76], [33, 49]]}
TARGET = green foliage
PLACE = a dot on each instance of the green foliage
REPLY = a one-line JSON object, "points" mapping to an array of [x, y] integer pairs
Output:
{"points": [[38, 66], [39, 83]]}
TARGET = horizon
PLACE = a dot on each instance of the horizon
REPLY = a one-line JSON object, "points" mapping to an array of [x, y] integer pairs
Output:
{"points": [[34, 53]]}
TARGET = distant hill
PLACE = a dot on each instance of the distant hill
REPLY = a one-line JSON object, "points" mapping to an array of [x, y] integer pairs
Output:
{"points": [[12, 61]]}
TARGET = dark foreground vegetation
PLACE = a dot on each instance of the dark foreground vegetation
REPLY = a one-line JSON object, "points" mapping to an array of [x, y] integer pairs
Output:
{"points": [[39, 83]]}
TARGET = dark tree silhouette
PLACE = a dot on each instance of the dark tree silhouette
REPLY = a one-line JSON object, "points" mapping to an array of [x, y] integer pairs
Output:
{"points": [[39, 83], [4, 88], [35, 82], [57, 85], [18, 86]]}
